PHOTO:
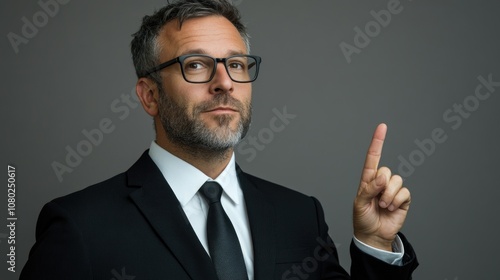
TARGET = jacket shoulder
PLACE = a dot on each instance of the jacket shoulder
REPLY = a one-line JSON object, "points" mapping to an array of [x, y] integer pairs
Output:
{"points": [[106, 193], [95, 193]]}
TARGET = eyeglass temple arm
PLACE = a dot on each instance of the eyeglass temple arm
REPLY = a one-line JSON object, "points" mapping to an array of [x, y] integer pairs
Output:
{"points": [[161, 66]]}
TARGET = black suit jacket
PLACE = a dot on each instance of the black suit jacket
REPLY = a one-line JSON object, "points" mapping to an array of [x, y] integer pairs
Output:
{"points": [[132, 227]]}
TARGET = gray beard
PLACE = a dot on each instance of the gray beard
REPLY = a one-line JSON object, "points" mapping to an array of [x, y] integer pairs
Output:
{"points": [[190, 133]]}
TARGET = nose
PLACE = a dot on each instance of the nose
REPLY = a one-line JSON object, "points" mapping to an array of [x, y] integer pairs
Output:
{"points": [[221, 83]]}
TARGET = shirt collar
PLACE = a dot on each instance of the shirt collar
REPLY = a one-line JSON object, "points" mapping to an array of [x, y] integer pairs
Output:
{"points": [[185, 179]]}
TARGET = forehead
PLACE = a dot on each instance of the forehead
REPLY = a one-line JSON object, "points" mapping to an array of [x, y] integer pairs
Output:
{"points": [[213, 35]]}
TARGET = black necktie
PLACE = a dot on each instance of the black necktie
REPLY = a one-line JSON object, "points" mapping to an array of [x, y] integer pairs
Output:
{"points": [[223, 243]]}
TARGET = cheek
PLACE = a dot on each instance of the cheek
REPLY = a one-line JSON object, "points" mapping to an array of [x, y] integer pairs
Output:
{"points": [[176, 93], [246, 95], [189, 96]]}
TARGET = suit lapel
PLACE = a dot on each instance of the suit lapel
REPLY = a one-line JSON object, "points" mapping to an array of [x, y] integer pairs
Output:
{"points": [[158, 203], [261, 216]]}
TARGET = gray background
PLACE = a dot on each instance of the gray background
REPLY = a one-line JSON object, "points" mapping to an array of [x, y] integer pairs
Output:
{"points": [[428, 58]]}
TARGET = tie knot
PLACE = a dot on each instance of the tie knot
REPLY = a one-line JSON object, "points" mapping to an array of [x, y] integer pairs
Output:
{"points": [[212, 191]]}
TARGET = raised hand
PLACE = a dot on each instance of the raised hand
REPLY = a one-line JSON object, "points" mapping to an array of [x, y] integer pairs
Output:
{"points": [[381, 204]]}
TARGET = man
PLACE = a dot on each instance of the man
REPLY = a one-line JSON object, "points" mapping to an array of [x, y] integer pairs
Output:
{"points": [[164, 218]]}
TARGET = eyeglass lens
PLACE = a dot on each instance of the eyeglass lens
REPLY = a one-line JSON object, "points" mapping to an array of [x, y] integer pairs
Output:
{"points": [[201, 68]]}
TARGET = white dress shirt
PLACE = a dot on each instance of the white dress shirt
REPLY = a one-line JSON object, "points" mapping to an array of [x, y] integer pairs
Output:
{"points": [[185, 181]]}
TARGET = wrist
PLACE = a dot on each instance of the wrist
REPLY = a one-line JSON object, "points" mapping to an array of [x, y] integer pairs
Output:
{"points": [[376, 241]]}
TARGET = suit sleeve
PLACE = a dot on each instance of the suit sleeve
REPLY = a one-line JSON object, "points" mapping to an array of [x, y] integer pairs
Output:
{"points": [[364, 266], [59, 251]]}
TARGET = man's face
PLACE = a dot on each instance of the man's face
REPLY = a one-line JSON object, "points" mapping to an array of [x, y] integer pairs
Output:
{"points": [[211, 116]]}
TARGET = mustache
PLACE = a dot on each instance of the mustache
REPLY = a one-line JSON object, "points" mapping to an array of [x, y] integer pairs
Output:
{"points": [[220, 100]]}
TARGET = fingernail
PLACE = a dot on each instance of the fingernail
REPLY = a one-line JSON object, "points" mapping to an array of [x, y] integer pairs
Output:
{"points": [[391, 207], [382, 204]]}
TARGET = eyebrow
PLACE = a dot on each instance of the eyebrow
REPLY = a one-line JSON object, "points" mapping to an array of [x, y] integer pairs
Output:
{"points": [[202, 51]]}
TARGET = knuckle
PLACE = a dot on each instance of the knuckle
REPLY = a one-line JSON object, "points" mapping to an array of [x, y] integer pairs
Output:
{"points": [[398, 179], [404, 196], [406, 191], [385, 171]]}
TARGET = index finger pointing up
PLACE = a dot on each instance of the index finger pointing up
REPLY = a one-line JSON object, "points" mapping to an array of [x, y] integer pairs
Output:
{"points": [[374, 153]]}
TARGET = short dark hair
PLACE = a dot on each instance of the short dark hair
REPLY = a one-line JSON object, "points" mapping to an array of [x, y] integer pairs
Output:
{"points": [[145, 47]]}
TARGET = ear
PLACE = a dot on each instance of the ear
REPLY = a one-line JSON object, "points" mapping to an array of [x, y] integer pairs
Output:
{"points": [[147, 91]]}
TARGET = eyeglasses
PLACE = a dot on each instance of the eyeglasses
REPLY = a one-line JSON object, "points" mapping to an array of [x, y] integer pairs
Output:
{"points": [[199, 68]]}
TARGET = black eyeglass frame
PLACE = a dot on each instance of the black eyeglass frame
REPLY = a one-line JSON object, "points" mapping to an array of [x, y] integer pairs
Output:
{"points": [[180, 60]]}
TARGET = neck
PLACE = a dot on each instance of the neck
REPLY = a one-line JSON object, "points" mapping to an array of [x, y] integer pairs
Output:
{"points": [[211, 163]]}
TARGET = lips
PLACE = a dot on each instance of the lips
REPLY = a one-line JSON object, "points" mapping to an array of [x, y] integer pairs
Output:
{"points": [[222, 109]]}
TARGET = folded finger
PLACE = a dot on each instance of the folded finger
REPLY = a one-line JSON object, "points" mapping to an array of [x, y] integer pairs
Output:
{"points": [[401, 200]]}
